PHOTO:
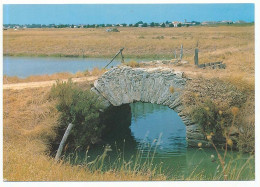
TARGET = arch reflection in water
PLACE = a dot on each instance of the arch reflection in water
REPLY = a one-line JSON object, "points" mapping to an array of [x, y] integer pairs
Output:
{"points": [[159, 125], [134, 127]]}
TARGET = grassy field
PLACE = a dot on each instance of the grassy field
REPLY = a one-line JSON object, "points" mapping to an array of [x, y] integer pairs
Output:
{"points": [[232, 44], [138, 42], [30, 122], [27, 142], [30, 118]]}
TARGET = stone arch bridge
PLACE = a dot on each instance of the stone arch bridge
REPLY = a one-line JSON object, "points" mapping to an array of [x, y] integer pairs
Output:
{"points": [[124, 85]]}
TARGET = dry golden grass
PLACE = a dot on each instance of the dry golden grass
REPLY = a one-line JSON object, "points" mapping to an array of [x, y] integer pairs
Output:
{"points": [[132, 64], [218, 41], [226, 94], [30, 119], [234, 45]]}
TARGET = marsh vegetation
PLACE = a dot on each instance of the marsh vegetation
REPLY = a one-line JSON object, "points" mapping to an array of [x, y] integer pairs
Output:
{"points": [[224, 99]]}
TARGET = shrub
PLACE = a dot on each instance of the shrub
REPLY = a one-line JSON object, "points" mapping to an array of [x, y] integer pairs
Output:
{"points": [[212, 104], [132, 64], [159, 37], [80, 108], [210, 118], [96, 71]]}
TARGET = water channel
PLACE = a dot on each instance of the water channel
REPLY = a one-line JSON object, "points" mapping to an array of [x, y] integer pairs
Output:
{"points": [[23, 67], [155, 133]]}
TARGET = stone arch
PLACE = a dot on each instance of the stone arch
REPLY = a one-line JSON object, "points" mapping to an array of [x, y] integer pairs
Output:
{"points": [[123, 85]]}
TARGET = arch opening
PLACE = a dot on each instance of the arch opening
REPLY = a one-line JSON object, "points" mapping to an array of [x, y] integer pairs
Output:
{"points": [[158, 125], [145, 126], [124, 85]]}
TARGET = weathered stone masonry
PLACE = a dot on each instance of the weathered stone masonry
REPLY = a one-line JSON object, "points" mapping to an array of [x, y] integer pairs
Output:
{"points": [[123, 85]]}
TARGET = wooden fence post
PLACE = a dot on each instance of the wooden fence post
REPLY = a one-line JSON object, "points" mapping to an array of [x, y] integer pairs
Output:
{"points": [[196, 56], [62, 143], [181, 54], [122, 61]]}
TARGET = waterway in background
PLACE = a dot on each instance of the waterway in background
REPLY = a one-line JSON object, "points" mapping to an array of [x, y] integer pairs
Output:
{"points": [[23, 67], [156, 133]]}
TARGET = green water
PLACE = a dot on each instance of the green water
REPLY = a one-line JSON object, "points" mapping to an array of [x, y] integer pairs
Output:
{"points": [[155, 134]]}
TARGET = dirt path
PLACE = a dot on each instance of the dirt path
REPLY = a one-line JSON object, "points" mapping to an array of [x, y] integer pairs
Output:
{"points": [[19, 86]]}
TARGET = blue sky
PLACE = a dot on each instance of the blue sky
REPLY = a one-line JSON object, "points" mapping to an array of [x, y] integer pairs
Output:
{"points": [[127, 13]]}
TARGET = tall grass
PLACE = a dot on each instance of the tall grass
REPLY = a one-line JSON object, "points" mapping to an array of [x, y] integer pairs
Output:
{"points": [[30, 120], [30, 123], [141, 163], [132, 64], [138, 164], [210, 102]]}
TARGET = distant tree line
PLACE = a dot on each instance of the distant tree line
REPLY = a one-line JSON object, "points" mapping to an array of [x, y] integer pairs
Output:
{"points": [[138, 24]]}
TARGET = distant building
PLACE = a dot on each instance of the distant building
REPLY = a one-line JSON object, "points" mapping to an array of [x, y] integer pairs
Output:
{"points": [[188, 24], [175, 23], [240, 22], [195, 23], [227, 22], [208, 23]]}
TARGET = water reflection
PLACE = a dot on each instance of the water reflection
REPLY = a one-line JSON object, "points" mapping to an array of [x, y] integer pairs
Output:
{"points": [[149, 121], [157, 132]]}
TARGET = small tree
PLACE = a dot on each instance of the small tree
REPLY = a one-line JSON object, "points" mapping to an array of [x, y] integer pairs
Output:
{"points": [[145, 25], [81, 108], [156, 24], [140, 22]]}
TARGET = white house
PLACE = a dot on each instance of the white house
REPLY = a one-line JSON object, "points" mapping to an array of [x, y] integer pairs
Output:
{"points": [[175, 23]]}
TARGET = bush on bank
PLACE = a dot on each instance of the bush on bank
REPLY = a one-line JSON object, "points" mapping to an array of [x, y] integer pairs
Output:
{"points": [[212, 104], [81, 108]]}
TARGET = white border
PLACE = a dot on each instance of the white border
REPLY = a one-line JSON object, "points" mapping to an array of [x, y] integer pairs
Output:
{"points": [[122, 1], [126, 184]]}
